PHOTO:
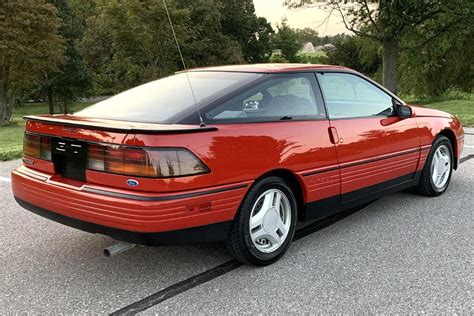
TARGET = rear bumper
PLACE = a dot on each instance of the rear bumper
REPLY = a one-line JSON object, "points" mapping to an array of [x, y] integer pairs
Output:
{"points": [[201, 234], [184, 217]]}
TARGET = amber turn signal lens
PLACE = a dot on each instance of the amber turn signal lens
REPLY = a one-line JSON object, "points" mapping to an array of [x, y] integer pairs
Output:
{"points": [[37, 146]]}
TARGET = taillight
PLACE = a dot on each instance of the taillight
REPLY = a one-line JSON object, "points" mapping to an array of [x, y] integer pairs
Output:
{"points": [[145, 162], [37, 146]]}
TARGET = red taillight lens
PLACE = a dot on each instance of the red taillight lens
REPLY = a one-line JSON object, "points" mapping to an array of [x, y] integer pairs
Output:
{"points": [[145, 162], [37, 146]]}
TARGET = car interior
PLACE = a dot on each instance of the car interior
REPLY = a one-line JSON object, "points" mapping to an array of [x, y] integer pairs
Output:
{"points": [[278, 98]]}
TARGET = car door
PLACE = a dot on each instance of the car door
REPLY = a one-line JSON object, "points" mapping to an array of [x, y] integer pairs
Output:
{"points": [[376, 150], [282, 125]]}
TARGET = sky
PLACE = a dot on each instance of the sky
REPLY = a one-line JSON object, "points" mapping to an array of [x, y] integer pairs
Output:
{"points": [[273, 11]]}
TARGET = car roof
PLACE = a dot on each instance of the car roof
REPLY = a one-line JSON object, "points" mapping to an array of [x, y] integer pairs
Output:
{"points": [[270, 68]]}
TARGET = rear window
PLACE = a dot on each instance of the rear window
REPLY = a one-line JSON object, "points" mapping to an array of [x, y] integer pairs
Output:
{"points": [[168, 100]]}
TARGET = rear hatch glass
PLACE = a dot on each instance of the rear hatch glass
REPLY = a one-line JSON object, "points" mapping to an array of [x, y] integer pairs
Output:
{"points": [[168, 100]]}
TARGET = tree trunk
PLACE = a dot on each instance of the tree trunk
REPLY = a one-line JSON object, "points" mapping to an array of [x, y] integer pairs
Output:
{"points": [[66, 107], [390, 57], [4, 119], [6, 105], [51, 100]]}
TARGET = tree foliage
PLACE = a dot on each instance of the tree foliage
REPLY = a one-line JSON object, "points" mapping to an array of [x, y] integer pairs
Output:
{"points": [[207, 43], [30, 47], [72, 79], [240, 22], [69, 48], [130, 42], [390, 21], [440, 66], [287, 41], [309, 35], [358, 53]]}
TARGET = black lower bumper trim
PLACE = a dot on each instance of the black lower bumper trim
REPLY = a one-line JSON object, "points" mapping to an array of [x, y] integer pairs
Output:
{"points": [[193, 235]]}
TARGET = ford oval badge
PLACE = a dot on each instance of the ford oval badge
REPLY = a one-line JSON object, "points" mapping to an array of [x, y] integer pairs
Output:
{"points": [[132, 182]]}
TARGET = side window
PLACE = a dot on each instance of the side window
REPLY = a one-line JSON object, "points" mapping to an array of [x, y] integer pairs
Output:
{"points": [[348, 95], [281, 97]]}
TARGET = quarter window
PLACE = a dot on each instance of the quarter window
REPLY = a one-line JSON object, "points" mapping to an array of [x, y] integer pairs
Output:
{"points": [[281, 97], [348, 95]]}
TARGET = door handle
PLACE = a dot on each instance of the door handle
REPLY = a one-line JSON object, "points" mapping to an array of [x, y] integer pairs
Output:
{"points": [[334, 137]]}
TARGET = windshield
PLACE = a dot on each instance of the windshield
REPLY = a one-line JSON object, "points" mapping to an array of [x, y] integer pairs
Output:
{"points": [[168, 100]]}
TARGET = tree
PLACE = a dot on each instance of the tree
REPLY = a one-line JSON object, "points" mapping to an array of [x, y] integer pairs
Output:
{"points": [[259, 48], [30, 47], [206, 44], [252, 33], [390, 21], [287, 41], [309, 35], [128, 43], [358, 53], [72, 80], [440, 66]]}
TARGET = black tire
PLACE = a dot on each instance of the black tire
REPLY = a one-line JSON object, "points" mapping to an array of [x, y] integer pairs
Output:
{"points": [[426, 186], [239, 242]]}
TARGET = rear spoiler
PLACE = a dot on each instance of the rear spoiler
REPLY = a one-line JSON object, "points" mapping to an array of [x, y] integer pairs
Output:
{"points": [[119, 126]]}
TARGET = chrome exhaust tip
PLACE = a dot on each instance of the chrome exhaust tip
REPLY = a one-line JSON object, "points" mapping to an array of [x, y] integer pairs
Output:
{"points": [[118, 248]]}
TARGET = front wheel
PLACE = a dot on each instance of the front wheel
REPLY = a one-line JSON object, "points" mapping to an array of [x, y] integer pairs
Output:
{"points": [[265, 224], [436, 174]]}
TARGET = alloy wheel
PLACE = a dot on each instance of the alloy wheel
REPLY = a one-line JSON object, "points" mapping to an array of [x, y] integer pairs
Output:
{"points": [[270, 220], [441, 167]]}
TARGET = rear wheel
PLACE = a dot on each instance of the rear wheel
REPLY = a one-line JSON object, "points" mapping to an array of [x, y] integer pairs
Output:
{"points": [[265, 224], [436, 174]]}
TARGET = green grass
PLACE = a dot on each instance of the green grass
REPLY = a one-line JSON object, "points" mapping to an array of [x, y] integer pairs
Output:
{"points": [[457, 103], [11, 136], [463, 109]]}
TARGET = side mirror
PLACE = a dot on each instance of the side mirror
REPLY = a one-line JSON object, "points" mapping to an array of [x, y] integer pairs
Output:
{"points": [[403, 111]]}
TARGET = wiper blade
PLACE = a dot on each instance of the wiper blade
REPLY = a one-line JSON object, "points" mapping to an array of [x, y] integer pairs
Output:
{"points": [[286, 117]]}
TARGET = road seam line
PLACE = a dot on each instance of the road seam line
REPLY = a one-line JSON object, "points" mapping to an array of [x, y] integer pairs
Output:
{"points": [[466, 158], [213, 273]]}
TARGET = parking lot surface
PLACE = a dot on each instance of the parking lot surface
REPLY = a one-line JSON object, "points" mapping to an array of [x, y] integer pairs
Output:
{"points": [[402, 253]]}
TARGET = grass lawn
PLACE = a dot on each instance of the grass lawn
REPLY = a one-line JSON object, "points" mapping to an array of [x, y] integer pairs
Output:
{"points": [[11, 136], [458, 104], [463, 109]]}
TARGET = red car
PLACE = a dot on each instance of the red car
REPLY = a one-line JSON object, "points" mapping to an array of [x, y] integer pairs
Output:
{"points": [[241, 157]]}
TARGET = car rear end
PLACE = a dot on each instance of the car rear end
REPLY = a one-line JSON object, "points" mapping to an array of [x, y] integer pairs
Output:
{"points": [[137, 166], [135, 182]]}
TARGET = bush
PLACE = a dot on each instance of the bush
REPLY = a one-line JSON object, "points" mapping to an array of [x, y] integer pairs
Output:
{"points": [[313, 58], [277, 58]]}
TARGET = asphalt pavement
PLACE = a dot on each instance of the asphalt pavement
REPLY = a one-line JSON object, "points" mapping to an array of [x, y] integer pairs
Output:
{"points": [[401, 254]]}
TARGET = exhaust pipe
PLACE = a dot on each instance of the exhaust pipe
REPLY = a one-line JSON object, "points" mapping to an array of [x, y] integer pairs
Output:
{"points": [[118, 248]]}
